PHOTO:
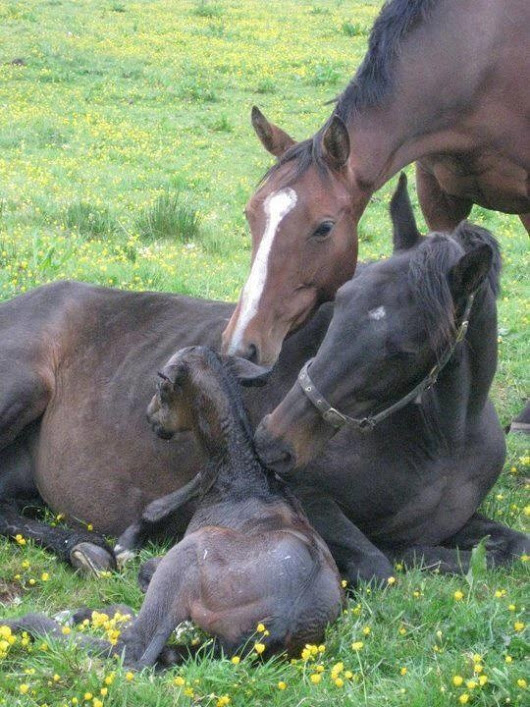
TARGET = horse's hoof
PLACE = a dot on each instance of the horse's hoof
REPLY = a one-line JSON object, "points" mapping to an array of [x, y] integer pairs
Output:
{"points": [[91, 559], [123, 555]]}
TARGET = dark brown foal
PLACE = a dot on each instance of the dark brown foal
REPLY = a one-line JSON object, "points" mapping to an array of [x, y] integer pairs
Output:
{"points": [[249, 555]]}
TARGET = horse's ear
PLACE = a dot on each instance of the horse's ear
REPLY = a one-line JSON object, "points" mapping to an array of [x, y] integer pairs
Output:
{"points": [[470, 272], [173, 373], [336, 143], [247, 373], [274, 139], [405, 231]]}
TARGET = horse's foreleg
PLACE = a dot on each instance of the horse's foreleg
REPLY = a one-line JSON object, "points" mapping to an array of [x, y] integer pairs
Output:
{"points": [[436, 558], [525, 220], [503, 545], [82, 549], [356, 557], [40, 626], [442, 211], [154, 518]]}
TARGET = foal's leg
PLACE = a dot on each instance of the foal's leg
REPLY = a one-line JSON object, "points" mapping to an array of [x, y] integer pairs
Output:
{"points": [[442, 211], [356, 557], [154, 517], [84, 550], [503, 545], [167, 604]]}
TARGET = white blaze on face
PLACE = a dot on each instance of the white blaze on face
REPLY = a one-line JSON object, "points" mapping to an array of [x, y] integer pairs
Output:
{"points": [[379, 313], [276, 206]]}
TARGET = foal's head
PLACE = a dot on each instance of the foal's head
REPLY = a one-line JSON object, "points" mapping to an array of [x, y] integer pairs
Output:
{"points": [[304, 238], [390, 325], [197, 392]]}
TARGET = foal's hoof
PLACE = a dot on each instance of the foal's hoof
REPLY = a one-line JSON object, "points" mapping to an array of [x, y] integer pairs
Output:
{"points": [[91, 559]]}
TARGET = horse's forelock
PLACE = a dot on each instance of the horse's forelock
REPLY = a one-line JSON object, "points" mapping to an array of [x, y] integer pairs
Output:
{"points": [[302, 155]]}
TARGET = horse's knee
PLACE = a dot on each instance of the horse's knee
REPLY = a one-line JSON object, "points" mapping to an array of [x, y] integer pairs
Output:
{"points": [[371, 568]]}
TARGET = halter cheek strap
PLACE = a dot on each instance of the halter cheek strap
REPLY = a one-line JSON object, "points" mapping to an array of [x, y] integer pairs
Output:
{"points": [[366, 424]]}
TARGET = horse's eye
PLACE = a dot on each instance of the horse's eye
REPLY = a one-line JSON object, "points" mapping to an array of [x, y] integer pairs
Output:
{"points": [[323, 230]]}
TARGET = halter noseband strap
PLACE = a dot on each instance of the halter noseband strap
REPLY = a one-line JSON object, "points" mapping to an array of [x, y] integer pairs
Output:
{"points": [[366, 424]]}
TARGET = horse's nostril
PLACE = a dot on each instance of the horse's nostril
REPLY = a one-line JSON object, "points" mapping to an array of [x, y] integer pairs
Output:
{"points": [[251, 353]]}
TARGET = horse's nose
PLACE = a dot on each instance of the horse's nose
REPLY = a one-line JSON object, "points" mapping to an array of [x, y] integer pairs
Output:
{"points": [[275, 453], [250, 351]]}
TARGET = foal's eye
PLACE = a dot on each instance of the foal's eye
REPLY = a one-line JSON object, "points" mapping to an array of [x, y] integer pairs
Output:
{"points": [[323, 230]]}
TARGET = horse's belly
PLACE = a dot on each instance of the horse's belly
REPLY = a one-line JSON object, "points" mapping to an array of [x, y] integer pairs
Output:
{"points": [[105, 474], [490, 181]]}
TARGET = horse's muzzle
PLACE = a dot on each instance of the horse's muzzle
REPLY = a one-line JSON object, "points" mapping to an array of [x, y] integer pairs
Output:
{"points": [[274, 453]]}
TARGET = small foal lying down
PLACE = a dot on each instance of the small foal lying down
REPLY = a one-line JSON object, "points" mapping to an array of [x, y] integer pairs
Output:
{"points": [[249, 555]]}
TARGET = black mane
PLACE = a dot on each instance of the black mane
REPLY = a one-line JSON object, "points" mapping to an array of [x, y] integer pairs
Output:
{"points": [[427, 276], [373, 79], [369, 86]]}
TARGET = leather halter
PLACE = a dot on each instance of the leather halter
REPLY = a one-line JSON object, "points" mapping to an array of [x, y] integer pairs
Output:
{"points": [[366, 424]]}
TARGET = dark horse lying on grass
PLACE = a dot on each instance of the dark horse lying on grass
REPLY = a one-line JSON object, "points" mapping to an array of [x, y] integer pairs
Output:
{"points": [[401, 382], [444, 83], [249, 556], [76, 362]]}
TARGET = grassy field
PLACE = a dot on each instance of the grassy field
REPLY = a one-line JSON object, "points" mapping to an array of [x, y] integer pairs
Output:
{"points": [[126, 158]]}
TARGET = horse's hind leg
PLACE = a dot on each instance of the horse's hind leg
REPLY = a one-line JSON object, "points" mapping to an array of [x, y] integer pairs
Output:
{"points": [[442, 211], [82, 549], [167, 604], [503, 545]]}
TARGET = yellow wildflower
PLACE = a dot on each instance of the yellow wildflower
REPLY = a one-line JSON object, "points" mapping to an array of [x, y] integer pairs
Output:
{"points": [[236, 660], [458, 595], [457, 680], [357, 645], [259, 648], [179, 681], [315, 678], [282, 685]]}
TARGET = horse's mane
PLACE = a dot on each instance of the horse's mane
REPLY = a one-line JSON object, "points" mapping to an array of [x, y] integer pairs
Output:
{"points": [[373, 78], [370, 84], [427, 275]]}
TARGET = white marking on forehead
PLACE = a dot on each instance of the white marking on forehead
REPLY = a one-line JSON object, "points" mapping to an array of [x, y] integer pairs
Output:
{"points": [[276, 206], [378, 313]]}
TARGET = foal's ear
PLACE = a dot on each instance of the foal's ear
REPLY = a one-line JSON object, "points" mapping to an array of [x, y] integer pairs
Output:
{"points": [[273, 138], [405, 231], [247, 373], [173, 373], [336, 143], [470, 272]]}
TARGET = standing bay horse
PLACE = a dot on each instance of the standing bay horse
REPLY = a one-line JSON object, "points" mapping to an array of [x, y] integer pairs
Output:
{"points": [[445, 83]]}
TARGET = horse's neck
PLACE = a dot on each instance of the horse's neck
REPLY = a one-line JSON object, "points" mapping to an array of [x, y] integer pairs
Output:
{"points": [[421, 111], [226, 442], [457, 401]]}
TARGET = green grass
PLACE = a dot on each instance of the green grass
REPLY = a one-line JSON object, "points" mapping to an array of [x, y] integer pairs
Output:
{"points": [[109, 110]]}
